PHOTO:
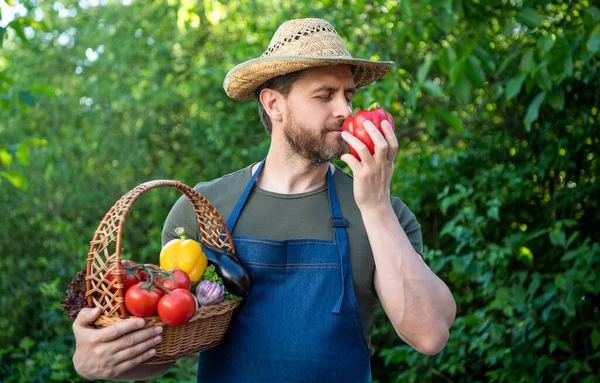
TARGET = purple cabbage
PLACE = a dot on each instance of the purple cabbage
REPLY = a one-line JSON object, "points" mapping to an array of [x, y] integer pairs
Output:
{"points": [[209, 293]]}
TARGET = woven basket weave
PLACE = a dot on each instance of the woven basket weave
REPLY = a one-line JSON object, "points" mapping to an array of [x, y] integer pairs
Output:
{"points": [[207, 327]]}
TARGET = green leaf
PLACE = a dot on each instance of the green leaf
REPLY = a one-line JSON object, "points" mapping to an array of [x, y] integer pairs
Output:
{"points": [[457, 71], [534, 286], [527, 61], [545, 44], [433, 89], [593, 44], [449, 118], [447, 60], [556, 99], [6, 78], [593, 13], [493, 213], [429, 120], [558, 238], [474, 71], [2, 33], [561, 282], [424, 69], [5, 157], [513, 88], [406, 9], [45, 89], [485, 59], [529, 17], [22, 154], [462, 91], [543, 79], [506, 61], [533, 111], [15, 178], [525, 255], [411, 97], [27, 98], [595, 338], [568, 71]]}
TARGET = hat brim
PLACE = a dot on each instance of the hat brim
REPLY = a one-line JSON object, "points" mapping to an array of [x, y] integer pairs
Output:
{"points": [[242, 81]]}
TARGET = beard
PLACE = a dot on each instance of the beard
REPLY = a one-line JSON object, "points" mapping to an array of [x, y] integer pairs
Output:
{"points": [[312, 145]]}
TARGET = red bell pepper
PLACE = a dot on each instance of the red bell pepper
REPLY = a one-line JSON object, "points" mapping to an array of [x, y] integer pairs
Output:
{"points": [[355, 126]]}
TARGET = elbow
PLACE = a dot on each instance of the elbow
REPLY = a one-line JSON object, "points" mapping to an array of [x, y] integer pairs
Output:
{"points": [[433, 343]]}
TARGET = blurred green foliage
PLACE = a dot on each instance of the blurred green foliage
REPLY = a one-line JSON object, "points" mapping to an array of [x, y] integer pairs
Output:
{"points": [[496, 106]]}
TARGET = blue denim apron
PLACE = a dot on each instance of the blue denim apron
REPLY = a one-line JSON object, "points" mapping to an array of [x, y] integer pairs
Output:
{"points": [[300, 322]]}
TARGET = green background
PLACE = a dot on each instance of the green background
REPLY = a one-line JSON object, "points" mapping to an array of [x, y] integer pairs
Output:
{"points": [[496, 108]]}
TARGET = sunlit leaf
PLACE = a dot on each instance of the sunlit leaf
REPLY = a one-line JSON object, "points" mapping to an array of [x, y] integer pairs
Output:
{"points": [[17, 179], [533, 110], [5, 157], [529, 17], [22, 154], [433, 89]]}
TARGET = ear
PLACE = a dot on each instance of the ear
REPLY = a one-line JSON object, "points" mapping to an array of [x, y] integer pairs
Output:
{"points": [[273, 103]]}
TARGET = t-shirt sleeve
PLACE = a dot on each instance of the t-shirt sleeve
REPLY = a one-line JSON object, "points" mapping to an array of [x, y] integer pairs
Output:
{"points": [[181, 215], [409, 223]]}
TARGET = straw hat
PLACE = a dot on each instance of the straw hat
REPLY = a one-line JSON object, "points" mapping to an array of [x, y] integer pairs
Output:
{"points": [[299, 44]]}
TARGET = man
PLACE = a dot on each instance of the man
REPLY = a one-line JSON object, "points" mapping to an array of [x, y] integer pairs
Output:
{"points": [[321, 247]]}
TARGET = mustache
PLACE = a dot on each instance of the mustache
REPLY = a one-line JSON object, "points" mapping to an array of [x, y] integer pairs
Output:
{"points": [[334, 126]]}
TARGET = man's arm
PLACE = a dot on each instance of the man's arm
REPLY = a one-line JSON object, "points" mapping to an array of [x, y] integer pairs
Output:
{"points": [[418, 304], [115, 352]]}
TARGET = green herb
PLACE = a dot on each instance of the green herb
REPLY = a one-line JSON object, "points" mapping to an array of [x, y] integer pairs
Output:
{"points": [[211, 275]]}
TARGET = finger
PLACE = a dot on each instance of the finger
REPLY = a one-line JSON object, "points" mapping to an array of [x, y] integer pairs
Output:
{"points": [[391, 138], [352, 162], [136, 338], [358, 146], [381, 145], [86, 316], [131, 363], [137, 349], [116, 331]]}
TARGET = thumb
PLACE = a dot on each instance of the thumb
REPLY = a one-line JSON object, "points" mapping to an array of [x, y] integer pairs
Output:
{"points": [[87, 316]]}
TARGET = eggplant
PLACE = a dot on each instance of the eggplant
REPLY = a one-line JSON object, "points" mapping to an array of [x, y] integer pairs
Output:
{"points": [[234, 275]]}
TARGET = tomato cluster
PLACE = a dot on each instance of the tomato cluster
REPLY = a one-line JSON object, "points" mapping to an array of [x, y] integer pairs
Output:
{"points": [[150, 290]]}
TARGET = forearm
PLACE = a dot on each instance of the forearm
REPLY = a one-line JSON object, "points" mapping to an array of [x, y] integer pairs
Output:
{"points": [[418, 304]]}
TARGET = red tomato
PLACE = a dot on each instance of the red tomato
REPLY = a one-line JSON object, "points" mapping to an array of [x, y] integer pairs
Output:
{"points": [[177, 307], [144, 275], [177, 279], [129, 278], [142, 301], [355, 126]]}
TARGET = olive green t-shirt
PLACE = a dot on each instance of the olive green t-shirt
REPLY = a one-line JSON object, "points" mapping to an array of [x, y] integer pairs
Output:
{"points": [[297, 216]]}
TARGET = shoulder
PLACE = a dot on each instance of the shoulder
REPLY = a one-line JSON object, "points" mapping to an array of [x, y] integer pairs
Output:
{"points": [[237, 178]]}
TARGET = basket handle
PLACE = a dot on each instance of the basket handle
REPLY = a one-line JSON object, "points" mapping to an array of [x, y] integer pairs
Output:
{"points": [[213, 231]]}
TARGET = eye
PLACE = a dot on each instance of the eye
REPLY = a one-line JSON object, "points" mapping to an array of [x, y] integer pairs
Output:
{"points": [[324, 97]]}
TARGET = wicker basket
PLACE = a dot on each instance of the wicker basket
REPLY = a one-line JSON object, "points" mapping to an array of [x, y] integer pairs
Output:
{"points": [[209, 324]]}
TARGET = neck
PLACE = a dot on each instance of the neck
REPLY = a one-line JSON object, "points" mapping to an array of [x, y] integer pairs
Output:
{"points": [[286, 173]]}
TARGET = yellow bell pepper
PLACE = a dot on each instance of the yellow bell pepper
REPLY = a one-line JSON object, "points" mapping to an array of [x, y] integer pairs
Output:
{"points": [[185, 254]]}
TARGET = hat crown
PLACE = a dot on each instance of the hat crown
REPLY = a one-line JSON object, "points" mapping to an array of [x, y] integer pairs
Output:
{"points": [[306, 37]]}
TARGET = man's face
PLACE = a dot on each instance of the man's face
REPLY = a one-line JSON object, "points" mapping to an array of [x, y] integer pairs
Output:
{"points": [[318, 103]]}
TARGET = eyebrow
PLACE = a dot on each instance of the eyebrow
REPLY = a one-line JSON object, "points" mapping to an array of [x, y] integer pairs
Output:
{"points": [[328, 88]]}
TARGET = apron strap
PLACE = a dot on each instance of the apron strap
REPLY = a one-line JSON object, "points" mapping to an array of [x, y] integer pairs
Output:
{"points": [[233, 217], [340, 236]]}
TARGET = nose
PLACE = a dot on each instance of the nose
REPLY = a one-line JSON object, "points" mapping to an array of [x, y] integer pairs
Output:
{"points": [[342, 108]]}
